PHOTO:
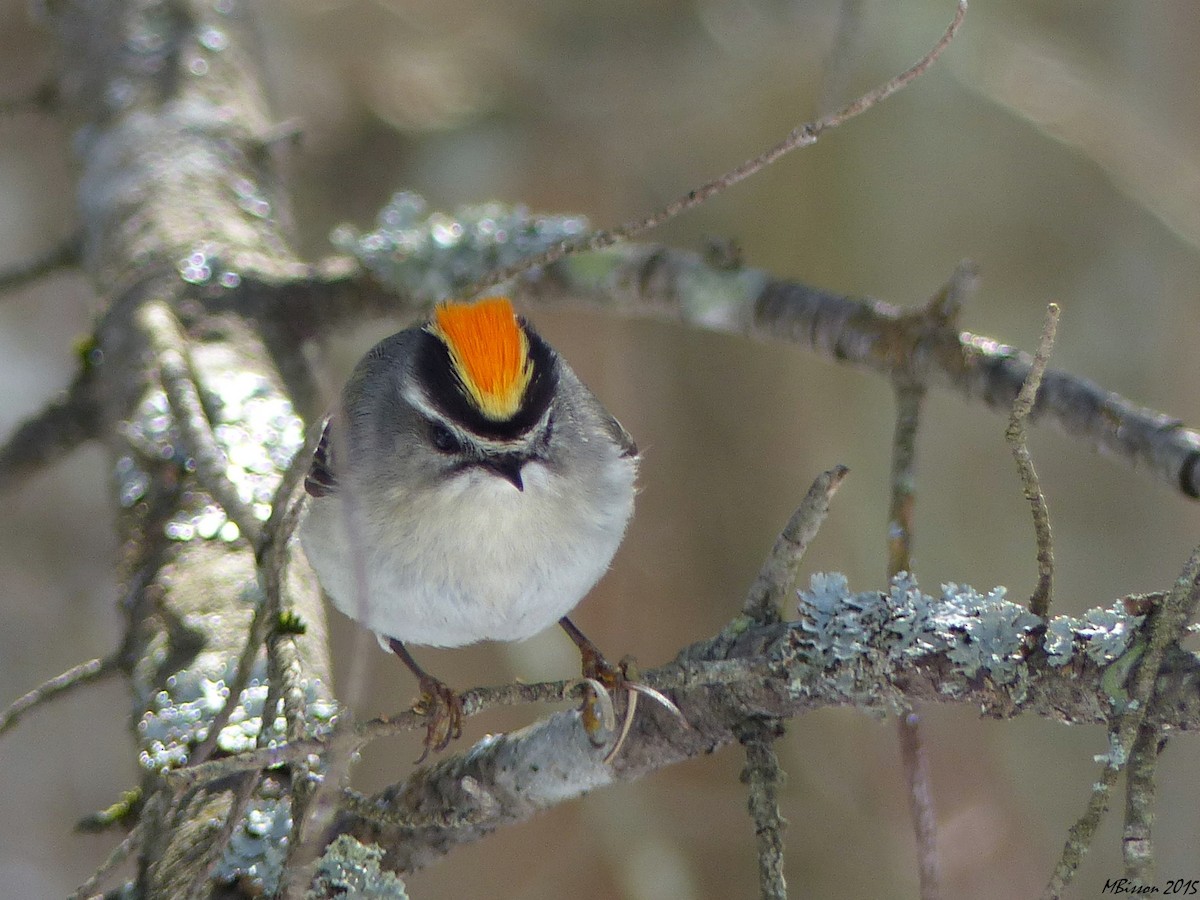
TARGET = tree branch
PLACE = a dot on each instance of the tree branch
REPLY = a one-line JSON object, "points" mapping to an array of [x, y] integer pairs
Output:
{"points": [[867, 651], [657, 282], [65, 424]]}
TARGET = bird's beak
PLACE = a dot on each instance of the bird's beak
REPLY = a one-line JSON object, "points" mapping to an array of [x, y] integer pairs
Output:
{"points": [[509, 468]]}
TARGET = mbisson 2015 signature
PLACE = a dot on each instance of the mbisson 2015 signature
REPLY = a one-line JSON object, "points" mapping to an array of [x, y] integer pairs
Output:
{"points": [[1183, 887]]}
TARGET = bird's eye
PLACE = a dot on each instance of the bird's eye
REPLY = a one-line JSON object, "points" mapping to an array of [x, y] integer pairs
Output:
{"points": [[443, 439]]}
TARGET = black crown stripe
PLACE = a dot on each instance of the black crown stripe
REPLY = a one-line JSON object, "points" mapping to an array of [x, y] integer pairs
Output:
{"points": [[435, 372]]}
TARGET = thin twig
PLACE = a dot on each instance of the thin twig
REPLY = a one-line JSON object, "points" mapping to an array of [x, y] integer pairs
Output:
{"points": [[777, 577], [256, 636], [183, 393], [802, 136], [1137, 839], [921, 810], [284, 673], [1039, 603], [283, 666], [1167, 625], [64, 253], [85, 673], [131, 842], [903, 496], [910, 396], [764, 776]]}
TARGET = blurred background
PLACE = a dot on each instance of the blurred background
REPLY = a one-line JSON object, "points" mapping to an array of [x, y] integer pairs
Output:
{"points": [[1055, 144]]}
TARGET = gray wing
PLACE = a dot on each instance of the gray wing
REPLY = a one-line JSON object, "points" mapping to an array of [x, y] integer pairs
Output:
{"points": [[320, 480], [618, 433]]}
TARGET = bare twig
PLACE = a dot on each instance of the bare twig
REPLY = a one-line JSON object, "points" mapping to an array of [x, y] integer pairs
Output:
{"points": [[61, 255], [272, 542], [132, 841], [921, 810], [910, 396], [802, 136], [777, 577], [1137, 839], [903, 496], [1079, 837], [255, 637], [283, 666], [315, 806], [85, 673], [1039, 603], [764, 776], [183, 393]]}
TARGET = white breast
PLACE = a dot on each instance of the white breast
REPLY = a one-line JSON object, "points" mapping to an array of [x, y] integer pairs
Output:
{"points": [[475, 560]]}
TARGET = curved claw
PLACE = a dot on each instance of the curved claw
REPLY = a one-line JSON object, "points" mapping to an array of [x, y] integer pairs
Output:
{"points": [[443, 711]]}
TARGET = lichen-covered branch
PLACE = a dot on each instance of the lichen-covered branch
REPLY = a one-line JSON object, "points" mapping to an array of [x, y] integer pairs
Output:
{"points": [[409, 271], [181, 207], [182, 212], [869, 650]]}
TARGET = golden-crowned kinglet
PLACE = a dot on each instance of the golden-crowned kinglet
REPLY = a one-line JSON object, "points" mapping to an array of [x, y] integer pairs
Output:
{"points": [[467, 487]]}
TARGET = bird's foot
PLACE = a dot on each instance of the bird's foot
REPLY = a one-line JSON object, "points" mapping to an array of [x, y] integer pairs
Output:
{"points": [[441, 706], [443, 711]]}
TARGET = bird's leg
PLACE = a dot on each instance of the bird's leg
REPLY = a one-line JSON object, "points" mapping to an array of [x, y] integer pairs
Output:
{"points": [[621, 677], [596, 711], [595, 666], [442, 707]]}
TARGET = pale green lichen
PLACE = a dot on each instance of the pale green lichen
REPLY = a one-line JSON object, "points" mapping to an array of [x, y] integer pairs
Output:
{"points": [[1102, 634], [254, 426], [431, 256], [257, 848], [350, 870], [848, 636], [178, 717]]}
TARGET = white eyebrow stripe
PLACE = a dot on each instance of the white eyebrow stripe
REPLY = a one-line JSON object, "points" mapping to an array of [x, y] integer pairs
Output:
{"points": [[416, 396]]}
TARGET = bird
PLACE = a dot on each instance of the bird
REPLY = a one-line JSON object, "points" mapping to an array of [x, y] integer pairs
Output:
{"points": [[466, 487]]}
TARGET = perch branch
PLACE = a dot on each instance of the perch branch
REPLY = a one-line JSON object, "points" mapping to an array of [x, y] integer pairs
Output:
{"points": [[896, 647]]}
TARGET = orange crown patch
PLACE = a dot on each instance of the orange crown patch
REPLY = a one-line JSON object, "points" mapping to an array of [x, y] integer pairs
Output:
{"points": [[489, 352]]}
